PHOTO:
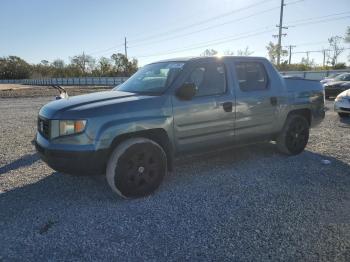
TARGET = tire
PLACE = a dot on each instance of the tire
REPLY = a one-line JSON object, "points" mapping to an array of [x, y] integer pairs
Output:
{"points": [[136, 167], [343, 114], [294, 136]]}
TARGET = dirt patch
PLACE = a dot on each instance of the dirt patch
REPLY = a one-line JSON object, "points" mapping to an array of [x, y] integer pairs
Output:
{"points": [[9, 87], [20, 91]]}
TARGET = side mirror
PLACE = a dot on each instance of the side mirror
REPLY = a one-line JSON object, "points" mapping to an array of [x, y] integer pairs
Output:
{"points": [[187, 91]]}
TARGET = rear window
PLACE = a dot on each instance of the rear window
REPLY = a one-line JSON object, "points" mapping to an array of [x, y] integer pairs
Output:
{"points": [[251, 76]]}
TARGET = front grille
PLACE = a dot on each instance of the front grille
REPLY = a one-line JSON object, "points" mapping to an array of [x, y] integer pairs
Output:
{"points": [[44, 127], [345, 109]]}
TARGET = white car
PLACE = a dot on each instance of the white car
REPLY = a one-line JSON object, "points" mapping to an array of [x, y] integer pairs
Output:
{"points": [[342, 103]]}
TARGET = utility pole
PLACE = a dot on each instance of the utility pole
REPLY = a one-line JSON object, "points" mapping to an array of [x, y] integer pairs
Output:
{"points": [[84, 63], [324, 57], [290, 53], [280, 27], [125, 47]]}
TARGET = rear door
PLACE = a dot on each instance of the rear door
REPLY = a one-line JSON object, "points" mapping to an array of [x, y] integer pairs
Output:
{"points": [[207, 119], [256, 100]]}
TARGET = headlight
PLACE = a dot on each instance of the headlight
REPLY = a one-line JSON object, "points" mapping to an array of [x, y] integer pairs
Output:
{"points": [[69, 127]]}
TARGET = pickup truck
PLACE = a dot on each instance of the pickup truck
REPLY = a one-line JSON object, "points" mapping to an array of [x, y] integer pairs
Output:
{"points": [[134, 132]]}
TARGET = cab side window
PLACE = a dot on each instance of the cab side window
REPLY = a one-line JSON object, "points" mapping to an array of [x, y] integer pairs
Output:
{"points": [[251, 76], [209, 79]]}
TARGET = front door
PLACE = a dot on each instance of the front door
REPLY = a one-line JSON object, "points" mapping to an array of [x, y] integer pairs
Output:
{"points": [[207, 119]]}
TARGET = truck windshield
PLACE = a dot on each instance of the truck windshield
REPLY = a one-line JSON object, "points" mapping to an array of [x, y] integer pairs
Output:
{"points": [[152, 78]]}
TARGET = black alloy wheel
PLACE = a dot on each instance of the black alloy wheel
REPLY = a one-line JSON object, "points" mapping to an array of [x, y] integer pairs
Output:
{"points": [[140, 169]]}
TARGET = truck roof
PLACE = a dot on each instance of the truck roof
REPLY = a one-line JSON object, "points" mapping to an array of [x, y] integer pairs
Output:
{"points": [[209, 58]]}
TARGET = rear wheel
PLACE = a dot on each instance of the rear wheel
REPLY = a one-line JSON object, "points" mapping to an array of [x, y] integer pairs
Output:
{"points": [[136, 167], [343, 114], [294, 136]]}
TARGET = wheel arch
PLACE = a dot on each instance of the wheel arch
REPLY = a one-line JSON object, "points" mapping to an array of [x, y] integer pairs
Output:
{"points": [[304, 112]]}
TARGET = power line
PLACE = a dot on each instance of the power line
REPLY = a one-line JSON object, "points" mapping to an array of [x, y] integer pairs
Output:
{"points": [[309, 43], [108, 49], [220, 16], [295, 25], [320, 21], [207, 28], [211, 26], [206, 44], [185, 27], [319, 17], [196, 24]]}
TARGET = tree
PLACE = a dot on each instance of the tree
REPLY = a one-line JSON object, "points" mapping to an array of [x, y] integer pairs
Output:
{"points": [[45, 62], [272, 50], [209, 52], [340, 66], [309, 63], [245, 52], [229, 52], [120, 63], [104, 66], [13, 67], [85, 63], [58, 63], [334, 49], [132, 67], [347, 38]]}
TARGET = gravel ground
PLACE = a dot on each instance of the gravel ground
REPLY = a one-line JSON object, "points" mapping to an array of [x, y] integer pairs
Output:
{"points": [[247, 203]]}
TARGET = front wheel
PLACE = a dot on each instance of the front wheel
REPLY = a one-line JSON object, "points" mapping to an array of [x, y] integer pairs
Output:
{"points": [[294, 136], [136, 167]]}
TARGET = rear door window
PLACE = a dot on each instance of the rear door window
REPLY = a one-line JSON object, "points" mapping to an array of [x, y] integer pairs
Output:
{"points": [[251, 76]]}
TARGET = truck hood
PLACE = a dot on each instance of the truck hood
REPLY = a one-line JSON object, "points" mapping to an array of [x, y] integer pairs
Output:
{"points": [[337, 83], [91, 101]]}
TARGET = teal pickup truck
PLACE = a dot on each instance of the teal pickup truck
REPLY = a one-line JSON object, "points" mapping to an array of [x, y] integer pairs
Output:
{"points": [[133, 133]]}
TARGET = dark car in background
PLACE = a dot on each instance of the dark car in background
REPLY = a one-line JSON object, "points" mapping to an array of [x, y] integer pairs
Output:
{"points": [[329, 78], [338, 85]]}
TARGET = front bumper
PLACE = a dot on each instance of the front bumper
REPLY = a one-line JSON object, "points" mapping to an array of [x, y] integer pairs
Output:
{"points": [[342, 106], [74, 162]]}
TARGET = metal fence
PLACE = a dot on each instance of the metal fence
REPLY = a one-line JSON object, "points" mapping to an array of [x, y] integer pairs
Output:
{"points": [[11, 81], [74, 81], [113, 81], [314, 75]]}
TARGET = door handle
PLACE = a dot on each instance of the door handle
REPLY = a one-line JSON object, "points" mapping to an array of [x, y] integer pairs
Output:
{"points": [[273, 100], [227, 106]]}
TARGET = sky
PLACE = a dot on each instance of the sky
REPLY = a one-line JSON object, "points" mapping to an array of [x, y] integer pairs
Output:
{"points": [[38, 30]]}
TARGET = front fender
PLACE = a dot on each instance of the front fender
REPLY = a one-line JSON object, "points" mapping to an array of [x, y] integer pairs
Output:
{"points": [[112, 129]]}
